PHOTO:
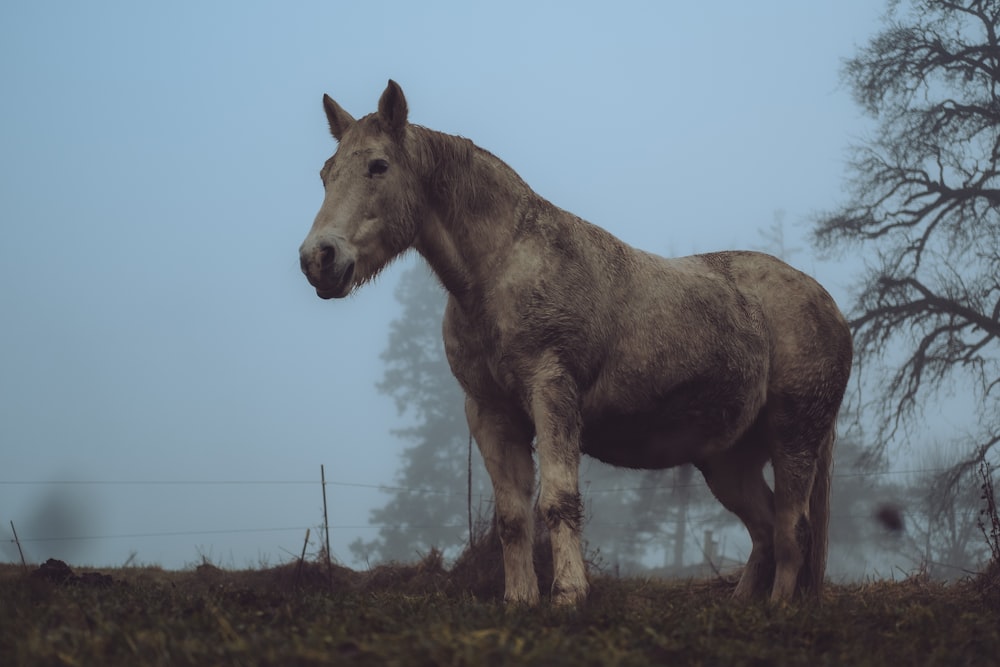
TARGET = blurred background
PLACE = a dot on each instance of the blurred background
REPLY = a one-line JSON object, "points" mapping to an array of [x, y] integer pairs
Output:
{"points": [[169, 382]]}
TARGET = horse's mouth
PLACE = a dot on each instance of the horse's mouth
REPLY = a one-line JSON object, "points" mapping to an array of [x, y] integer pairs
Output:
{"points": [[331, 294], [341, 289], [334, 292]]}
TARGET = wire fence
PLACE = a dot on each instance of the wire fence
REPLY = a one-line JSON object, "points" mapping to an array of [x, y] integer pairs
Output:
{"points": [[386, 488], [390, 487]]}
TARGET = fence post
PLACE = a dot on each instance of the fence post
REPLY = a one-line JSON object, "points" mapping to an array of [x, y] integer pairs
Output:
{"points": [[302, 560], [711, 548], [468, 497], [18, 543], [326, 527]]}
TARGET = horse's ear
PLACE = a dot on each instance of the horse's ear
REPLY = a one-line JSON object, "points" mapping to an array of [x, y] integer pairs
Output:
{"points": [[339, 119], [392, 108]]}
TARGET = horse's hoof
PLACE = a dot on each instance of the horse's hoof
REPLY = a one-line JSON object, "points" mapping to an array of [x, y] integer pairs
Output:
{"points": [[521, 599], [569, 597]]}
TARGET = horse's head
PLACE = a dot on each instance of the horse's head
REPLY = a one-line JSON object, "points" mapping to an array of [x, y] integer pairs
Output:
{"points": [[372, 198]]}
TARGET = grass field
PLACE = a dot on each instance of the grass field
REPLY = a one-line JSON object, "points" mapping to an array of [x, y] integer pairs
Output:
{"points": [[417, 615]]}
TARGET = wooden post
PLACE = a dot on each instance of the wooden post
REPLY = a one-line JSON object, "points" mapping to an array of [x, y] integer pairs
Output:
{"points": [[302, 559], [468, 498], [683, 486], [18, 543], [326, 527], [711, 548]]}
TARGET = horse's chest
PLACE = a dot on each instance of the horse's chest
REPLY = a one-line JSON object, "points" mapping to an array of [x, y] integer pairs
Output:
{"points": [[484, 362], [497, 357], [473, 355]]}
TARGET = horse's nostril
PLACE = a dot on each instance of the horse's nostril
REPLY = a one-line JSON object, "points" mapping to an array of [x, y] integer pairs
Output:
{"points": [[327, 255]]}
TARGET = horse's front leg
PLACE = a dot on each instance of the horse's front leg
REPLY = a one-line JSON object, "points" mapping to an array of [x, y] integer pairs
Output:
{"points": [[505, 443], [556, 412]]}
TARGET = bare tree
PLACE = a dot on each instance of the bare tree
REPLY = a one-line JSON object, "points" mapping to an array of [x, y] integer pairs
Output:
{"points": [[925, 208]]}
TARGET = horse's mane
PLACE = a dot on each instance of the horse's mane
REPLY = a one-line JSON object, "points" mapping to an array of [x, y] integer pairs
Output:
{"points": [[454, 176]]}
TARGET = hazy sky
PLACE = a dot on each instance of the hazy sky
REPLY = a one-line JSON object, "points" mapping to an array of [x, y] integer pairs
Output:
{"points": [[159, 169]]}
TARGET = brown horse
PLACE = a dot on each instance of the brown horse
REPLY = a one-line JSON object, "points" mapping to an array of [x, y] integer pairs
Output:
{"points": [[568, 341]]}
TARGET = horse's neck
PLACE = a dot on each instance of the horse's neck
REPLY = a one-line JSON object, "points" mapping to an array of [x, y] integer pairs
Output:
{"points": [[467, 233], [450, 263]]}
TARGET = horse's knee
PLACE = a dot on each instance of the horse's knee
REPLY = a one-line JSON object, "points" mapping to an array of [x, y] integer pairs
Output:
{"points": [[564, 508], [513, 531]]}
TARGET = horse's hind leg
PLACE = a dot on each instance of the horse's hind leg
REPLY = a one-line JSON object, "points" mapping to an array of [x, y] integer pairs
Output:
{"points": [[505, 444], [793, 477], [796, 441], [736, 478]]}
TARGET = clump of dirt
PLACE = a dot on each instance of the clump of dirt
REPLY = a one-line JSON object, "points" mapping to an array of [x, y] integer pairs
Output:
{"points": [[292, 576], [426, 576], [58, 572]]}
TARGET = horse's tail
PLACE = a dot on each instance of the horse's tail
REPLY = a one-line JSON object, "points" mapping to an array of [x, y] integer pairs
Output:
{"points": [[819, 519]]}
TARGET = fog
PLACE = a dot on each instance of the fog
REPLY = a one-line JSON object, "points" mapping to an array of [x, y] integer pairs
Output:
{"points": [[169, 382]]}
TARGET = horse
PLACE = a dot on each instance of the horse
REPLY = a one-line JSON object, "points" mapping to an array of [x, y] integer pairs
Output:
{"points": [[567, 341]]}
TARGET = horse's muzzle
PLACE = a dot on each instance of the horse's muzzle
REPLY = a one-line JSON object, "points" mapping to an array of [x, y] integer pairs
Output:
{"points": [[328, 268]]}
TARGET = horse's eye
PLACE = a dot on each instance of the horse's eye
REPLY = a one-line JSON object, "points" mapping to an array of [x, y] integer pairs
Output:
{"points": [[377, 166]]}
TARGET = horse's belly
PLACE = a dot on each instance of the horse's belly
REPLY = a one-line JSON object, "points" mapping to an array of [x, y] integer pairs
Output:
{"points": [[691, 422], [651, 442]]}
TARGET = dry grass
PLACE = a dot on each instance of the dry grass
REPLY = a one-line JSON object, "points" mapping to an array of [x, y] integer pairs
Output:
{"points": [[422, 614]]}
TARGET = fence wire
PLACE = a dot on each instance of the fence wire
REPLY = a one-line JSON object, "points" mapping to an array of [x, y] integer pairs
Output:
{"points": [[343, 484]]}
